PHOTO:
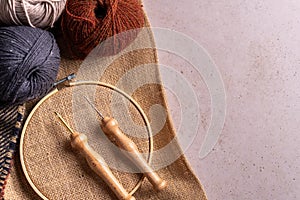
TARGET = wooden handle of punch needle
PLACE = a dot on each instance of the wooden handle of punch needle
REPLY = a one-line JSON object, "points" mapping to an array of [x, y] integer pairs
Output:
{"points": [[98, 165], [111, 129]]}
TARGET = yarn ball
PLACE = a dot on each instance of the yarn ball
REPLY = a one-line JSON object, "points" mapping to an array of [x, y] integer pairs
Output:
{"points": [[29, 62], [87, 23], [35, 13]]}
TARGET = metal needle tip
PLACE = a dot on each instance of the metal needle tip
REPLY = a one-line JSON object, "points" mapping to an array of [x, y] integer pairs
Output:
{"points": [[64, 122], [70, 77], [94, 107]]}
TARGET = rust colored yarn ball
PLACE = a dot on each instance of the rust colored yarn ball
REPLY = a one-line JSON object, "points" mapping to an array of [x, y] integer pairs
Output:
{"points": [[87, 23]]}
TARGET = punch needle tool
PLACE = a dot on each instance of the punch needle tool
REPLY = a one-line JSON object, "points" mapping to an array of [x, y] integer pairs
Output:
{"points": [[96, 162], [111, 129]]}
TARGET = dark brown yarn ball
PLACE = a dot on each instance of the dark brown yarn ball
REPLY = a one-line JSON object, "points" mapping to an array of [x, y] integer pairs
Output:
{"points": [[87, 23]]}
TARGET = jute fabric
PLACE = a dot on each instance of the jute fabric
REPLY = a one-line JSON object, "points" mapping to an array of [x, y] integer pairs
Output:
{"points": [[59, 172]]}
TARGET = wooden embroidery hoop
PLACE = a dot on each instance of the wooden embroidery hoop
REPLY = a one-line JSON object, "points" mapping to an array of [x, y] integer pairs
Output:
{"points": [[78, 83]]}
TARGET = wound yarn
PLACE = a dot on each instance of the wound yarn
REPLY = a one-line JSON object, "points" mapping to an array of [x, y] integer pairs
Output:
{"points": [[35, 13], [87, 23], [29, 62]]}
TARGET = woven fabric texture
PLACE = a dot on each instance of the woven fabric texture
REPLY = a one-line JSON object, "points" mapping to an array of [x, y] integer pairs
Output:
{"points": [[61, 173], [10, 124]]}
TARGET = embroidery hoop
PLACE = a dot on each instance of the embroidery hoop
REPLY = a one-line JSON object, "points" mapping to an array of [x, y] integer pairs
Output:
{"points": [[73, 84]]}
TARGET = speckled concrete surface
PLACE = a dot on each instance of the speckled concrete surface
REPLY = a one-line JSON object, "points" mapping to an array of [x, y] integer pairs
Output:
{"points": [[256, 46]]}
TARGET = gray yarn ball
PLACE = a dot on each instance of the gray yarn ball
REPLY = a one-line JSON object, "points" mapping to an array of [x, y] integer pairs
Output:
{"points": [[29, 62], [34, 13]]}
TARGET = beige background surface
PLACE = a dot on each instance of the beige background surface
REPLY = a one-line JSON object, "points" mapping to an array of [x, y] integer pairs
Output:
{"points": [[256, 46]]}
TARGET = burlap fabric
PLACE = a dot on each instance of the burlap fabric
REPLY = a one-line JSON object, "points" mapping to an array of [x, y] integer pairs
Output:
{"points": [[61, 173]]}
